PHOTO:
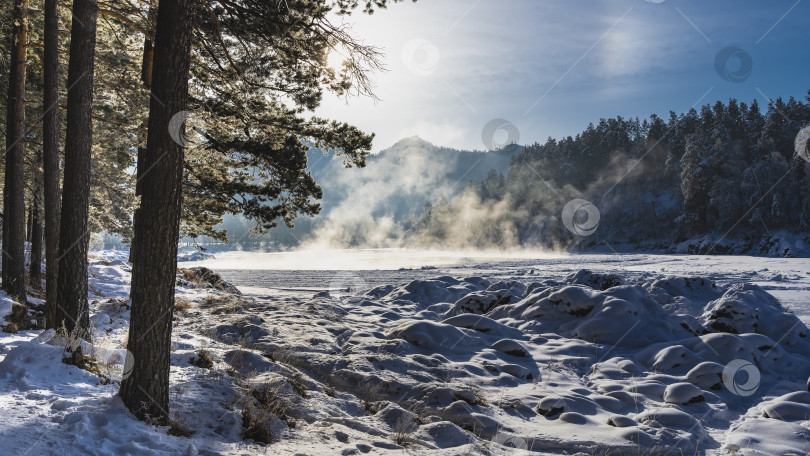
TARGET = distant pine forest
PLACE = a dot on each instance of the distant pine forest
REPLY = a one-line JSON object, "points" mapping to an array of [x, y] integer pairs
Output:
{"points": [[724, 178], [728, 172]]}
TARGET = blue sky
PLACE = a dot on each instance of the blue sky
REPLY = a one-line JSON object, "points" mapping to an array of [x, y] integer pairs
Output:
{"points": [[550, 67]]}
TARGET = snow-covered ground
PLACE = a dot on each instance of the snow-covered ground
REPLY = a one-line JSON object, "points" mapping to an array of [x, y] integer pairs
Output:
{"points": [[786, 278], [398, 351]]}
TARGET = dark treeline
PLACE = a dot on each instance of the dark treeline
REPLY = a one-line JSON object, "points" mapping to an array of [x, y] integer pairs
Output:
{"points": [[729, 171]]}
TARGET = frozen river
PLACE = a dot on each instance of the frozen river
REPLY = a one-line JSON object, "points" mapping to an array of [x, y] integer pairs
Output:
{"points": [[308, 271]]}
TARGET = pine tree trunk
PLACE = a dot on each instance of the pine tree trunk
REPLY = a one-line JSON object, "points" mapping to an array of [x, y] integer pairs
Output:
{"points": [[14, 189], [50, 158], [131, 258], [35, 275], [74, 236], [146, 390], [29, 223], [139, 171]]}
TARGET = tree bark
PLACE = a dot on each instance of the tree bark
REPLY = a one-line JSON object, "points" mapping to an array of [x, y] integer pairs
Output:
{"points": [[35, 274], [50, 158], [29, 223], [139, 171], [14, 189], [154, 269], [74, 236], [146, 64]]}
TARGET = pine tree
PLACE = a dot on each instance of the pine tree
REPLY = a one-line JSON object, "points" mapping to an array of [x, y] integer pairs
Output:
{"points": [[74, 235], [35, 272], [804, 220], [160, 169], [754, 122], [253, 160], [776, 210], [695, 185], [14, 186], [146, 391], [50, 158]]}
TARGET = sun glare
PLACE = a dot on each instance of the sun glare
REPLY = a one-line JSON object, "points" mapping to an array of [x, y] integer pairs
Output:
{"points": [[335, 60]]}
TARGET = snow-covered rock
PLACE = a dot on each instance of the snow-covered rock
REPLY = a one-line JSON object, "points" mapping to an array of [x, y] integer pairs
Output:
{"points": [[597, 281], [683, 393], [747, 308]]}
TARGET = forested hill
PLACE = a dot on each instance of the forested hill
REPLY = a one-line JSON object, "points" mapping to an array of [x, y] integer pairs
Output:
{"points": [[724, 178], [322, 164]]}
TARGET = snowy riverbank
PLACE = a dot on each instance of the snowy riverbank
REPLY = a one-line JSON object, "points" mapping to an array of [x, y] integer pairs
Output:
{"points": [[637, 358]]}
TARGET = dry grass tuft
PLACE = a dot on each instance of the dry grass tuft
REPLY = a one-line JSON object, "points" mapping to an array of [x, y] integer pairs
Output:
{"points": [[403, 431], [10, 328], [256, 425], [297, 383], [264, 403], [181, 305], [203, 359], [178, 429], [226, 304], [18, 320]]}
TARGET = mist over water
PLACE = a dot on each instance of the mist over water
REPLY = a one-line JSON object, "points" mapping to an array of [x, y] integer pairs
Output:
{"points": [[364, 259], [421, 200], [381, 205]]}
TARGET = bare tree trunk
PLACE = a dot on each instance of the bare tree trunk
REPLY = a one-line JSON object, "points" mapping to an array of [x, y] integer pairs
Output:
{"points": [[139, 172], [146, 65], [29, 223], [14, 189], [35, 226], [146, 390], [50, 158], [74, 236], [35, 274]]}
